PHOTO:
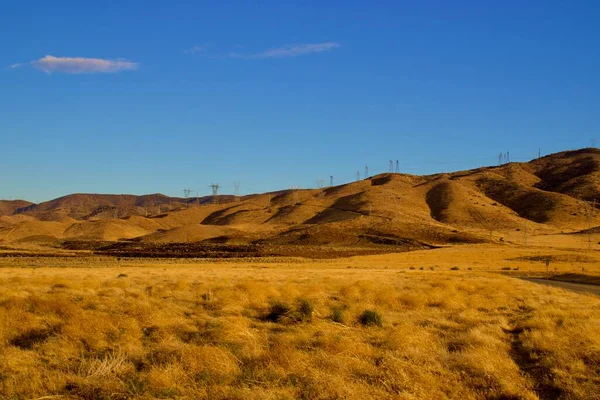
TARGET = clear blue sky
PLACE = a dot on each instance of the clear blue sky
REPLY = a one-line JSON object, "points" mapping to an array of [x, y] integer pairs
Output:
{"points": [[154, 96]]}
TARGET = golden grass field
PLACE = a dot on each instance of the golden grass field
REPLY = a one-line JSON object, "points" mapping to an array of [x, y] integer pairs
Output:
{"points": [[285, 328]]}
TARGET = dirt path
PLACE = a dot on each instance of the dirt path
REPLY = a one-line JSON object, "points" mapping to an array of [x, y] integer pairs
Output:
{"points": [[574, 287]]}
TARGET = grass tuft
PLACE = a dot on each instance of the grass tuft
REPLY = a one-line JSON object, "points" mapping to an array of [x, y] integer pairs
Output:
{"points": [[370, 318]]}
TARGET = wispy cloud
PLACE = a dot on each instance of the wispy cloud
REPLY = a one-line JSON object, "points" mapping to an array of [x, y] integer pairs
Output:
{"points": [[294, 50], [291, 50], [198, 48], [79, 65]]}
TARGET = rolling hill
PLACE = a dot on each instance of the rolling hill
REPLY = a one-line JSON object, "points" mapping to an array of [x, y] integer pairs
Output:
{"points": [[549, 195]]}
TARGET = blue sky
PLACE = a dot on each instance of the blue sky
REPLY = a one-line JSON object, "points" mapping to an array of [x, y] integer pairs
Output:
{"points": [[155, 96]]}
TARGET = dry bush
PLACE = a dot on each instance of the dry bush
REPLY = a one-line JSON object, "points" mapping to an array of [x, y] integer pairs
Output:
{"points": [[234, 333]]}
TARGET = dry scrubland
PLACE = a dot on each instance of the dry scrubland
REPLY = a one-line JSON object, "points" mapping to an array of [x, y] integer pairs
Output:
{"points": [[267, 331]]}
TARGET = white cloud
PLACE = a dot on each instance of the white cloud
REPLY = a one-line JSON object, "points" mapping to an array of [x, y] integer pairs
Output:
{"points": [[294, 50], [291, 50], [79, 65], [198, 49]]}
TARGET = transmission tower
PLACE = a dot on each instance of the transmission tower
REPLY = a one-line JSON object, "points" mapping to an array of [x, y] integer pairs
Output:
{"points": [[236, 190], [186, 194], [357, 176], [366, 171], [330, 180], [593, 142], [500, 159], [397, 166], [295, 197], [320, 184], [215, 192], [391, 166]]}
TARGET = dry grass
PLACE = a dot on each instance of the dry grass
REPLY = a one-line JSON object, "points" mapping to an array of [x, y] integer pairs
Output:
{"points": [[203, 332]]}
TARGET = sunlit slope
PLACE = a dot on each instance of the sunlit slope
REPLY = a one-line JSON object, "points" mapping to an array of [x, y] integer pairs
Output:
{"points": [[548, 195]]}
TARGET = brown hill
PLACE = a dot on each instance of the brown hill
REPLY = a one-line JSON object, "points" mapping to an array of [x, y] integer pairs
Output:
{"points": [[548, 195], [102, 206], [8, 207]]}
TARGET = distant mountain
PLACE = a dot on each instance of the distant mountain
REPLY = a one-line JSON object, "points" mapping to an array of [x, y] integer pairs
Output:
{"points": [[82, 206], [8, 207]]}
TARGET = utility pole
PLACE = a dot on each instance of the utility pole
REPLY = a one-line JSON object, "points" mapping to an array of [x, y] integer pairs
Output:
{"points": [[590, 217], [366, 171], [215, 192], [539, 153], [330, 180]]}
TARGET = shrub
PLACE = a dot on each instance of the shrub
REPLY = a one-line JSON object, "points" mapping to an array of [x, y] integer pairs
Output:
{"points": [[505, 268], [277, 311], [122, 276], [370, 318], [305, 310], [454, 268], [337, 315]]}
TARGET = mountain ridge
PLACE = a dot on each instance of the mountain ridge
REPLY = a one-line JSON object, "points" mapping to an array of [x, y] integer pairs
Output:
{"points": [[548, 195]]}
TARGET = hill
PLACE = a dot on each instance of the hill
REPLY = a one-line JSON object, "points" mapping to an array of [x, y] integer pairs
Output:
{"points": [[550, 195], [8, 207]]}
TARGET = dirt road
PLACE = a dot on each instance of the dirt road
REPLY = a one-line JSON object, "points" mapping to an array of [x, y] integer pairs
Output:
{"points": [[574, 287]]}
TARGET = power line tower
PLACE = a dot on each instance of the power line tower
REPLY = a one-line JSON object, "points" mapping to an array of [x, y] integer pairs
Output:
{"points": [[593, 143], [366, 171], [499, 159], [295, 197], [391, 166], [215, 192], [320, 184], [186, 194], [330, 180], [397, 166], [357, 176], [236, 190]]}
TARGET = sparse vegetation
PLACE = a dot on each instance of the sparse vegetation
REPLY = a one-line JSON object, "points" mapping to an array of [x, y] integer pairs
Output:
{"points": [[370, 318], [337, 315], [241, 330]]}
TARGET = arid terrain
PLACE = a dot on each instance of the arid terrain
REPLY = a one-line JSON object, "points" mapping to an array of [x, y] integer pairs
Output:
{"points": [[546, 201], [393, 287]]}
